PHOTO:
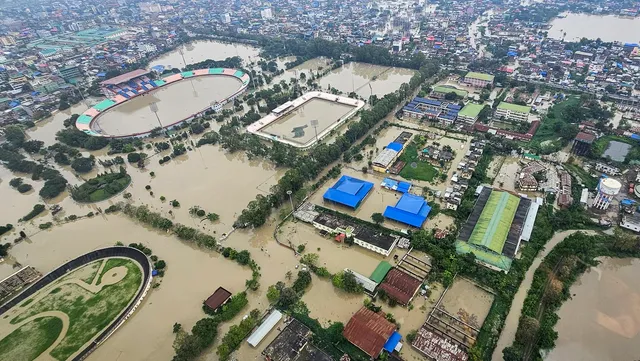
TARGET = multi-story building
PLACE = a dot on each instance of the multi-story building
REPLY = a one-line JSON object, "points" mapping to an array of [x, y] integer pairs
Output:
{"points": [[17, 81], [511, 111], [70, 73], [469, 113], [631, 222], [226, 18], [445, 112], [479, 80], [47, 84], [266, 13], [607, 169], [7, 40]]}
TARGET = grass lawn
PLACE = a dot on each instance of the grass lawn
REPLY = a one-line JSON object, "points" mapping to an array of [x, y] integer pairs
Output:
{"points": [[587, 179], [101, 187], [88, 313], [547, 130], [423, 171], [30, 340]]}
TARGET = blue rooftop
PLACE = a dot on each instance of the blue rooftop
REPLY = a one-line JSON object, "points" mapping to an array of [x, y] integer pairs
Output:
{"points": [[410, 209], [348, 191], [427, 101], [395, 146], [398, 186], [392, 342]]}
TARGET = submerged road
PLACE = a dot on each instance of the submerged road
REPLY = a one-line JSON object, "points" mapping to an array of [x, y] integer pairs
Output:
{"points": [[508, 334]]}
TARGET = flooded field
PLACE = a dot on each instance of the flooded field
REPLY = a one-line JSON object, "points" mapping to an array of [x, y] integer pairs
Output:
{"points": [[468, 302], [357, 77], [198, 51], [333, 255], [175, 101], [296, 126], [601, 321], [608, 28]]}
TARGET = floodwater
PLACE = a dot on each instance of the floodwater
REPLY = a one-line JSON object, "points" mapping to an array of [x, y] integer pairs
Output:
{"points": [[296, 125], [198, 51], [175, 101], [605, 27], [468, 302], [508, 334], [46, 129], [357, 77], [602, 319], [192, 275]]}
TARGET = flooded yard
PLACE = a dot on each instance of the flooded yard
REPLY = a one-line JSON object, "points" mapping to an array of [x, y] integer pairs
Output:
{"points": [[601, 321], [366, 79], [468, 302], [198, 51]]}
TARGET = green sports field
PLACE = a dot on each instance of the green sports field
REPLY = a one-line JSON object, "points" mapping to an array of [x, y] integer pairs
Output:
{"points": [[495, 220]]}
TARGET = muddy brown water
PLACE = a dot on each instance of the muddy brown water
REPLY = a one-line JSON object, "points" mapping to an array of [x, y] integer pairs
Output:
{"points": [[46, 129], [176, 101], [602, 319], [358, 76], [605, 27], [198, 51], [192, 275], [296, 125]]}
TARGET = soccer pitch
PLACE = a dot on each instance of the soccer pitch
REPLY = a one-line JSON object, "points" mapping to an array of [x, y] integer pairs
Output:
{"points": [[495, 221]]}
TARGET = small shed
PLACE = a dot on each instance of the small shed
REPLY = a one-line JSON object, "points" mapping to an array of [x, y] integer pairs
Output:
{"points": [[218, 298]]}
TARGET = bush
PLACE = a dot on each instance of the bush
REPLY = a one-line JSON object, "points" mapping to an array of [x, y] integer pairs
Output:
{"points": [[134, 157], [83, 165], [175, 203], [37, 209], [161, 264], [24, 188], [15, 182], [201, 213], [147, 187], [45, 225]]}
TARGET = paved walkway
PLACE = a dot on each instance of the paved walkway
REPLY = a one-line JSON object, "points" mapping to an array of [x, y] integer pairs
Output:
{"points": [[508, 334]]}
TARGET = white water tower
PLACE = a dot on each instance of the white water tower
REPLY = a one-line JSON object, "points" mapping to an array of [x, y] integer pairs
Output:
{"points": [[607, 189]]}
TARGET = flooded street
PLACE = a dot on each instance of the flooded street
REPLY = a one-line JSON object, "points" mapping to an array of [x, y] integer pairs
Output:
{"points": [[366, 79], [175, 101], [607, 28], [198, 51], [602, 319]]}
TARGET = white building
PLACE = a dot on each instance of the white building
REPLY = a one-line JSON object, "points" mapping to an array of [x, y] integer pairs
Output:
{"points": [[607, 169], [266, 13], [226, 18], [631, 222], [515, 112]]}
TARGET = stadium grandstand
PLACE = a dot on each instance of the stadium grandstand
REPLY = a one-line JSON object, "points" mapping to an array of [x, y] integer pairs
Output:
{"points": [[127, 86], [494, 229]]}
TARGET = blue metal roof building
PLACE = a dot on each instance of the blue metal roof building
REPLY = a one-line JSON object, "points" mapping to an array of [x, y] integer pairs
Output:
{"points": [[410, 209], [348, 191], [398, 186], [392, 342], [395, 146]]}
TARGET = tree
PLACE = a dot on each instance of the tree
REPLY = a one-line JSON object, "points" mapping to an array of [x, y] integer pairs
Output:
{"points": [[527, 330], [14, 134], [134, 157], [82, 164], [177, 327], [450, 96], [377, 218], [273, 294], [287, 298], [15, 182], [197, 128], [32, 146], [243, 257], [553, 291], [350, 284], [302, 282], [310, 259]]}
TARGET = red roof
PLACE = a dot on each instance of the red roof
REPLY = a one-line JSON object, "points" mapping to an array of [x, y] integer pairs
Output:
{"points": [[400, 286], [218, 298], [369, 331], [125, 77], [585, 137]]}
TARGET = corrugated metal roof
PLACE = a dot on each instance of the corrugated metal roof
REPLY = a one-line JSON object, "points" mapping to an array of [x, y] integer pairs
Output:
{"points": [[262, 331], [369, 331]]}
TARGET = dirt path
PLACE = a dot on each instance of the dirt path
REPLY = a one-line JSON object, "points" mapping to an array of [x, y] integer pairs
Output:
{"points": [[508, 334]]}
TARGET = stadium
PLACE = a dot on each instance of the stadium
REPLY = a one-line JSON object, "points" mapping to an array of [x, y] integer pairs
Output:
{"points": [[129, 110], [498, 223], [306, 120], [71, 300]]}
